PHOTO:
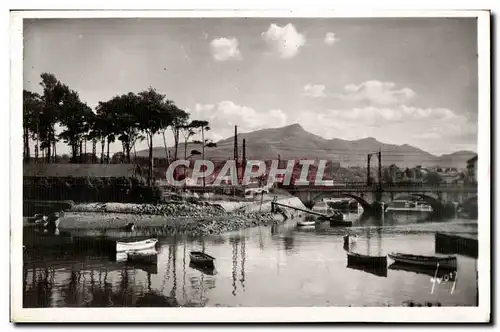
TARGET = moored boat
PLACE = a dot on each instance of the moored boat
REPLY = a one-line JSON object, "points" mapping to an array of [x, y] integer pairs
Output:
{"points": [[408, 206], [428, 261], [201, 259], [366, 260], [135, 245], [302, 223]]}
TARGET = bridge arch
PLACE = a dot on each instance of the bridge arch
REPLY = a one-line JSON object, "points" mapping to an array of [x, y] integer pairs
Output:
{"points": [[364, 204]]}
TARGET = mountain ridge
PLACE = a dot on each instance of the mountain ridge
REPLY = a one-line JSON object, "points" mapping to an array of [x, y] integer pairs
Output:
{"points": [[294, 142]]}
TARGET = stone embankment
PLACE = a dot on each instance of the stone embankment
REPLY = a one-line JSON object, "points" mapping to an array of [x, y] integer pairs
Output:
{"points": [[171, 209], [194, 219]]}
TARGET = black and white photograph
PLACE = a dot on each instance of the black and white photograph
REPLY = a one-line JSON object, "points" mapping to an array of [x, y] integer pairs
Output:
{"points": [[183, 163]]}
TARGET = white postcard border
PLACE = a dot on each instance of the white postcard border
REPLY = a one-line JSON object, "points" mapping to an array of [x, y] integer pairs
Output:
{"points": [[315, 314]]}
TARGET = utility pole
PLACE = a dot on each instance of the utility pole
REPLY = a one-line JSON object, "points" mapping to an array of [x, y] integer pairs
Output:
{"points": [[368, 182], [236, 152], [243, 158], [236, 144], [380, 167]]}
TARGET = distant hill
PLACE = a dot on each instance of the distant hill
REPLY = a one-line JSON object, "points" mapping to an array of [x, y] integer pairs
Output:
{"points": [[294, 142]]}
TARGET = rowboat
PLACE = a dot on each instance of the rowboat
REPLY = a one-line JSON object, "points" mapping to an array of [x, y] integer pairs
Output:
{"points": [[134, 245], [366, 260], [201, 259], [301, 223], [429, 261], [143, 256]]}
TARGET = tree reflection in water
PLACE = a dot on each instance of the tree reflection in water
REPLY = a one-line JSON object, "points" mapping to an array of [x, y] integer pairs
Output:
{"points": [[102, 292], [288, 242], [234, 244], [70, 292], [39, 293], [243, 257]]}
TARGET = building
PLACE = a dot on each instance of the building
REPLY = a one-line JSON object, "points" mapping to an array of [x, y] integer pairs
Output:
{"points": [[472, 169]]}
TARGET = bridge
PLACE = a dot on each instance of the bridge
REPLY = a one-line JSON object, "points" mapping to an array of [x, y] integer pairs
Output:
{"points": [[370, 197]]}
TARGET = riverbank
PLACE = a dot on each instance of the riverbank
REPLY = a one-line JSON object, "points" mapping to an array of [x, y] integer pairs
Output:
{"points": [[161, 225], [193, 218]]}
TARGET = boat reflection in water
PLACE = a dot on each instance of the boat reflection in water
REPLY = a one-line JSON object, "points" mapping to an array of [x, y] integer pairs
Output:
{"points": [[379, 271], [438, 272], [211, 271], [278, 266]]}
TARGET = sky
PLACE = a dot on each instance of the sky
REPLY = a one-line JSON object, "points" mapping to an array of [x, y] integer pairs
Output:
{"points": [[400, 80]]}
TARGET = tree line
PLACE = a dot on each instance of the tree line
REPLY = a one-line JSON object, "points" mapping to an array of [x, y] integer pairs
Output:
{"points": [[128, 118]]}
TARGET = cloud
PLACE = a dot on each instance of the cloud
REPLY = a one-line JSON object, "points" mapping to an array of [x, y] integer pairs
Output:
{"points": [[375, 116], [226, 114], [284, 41], [314, 91], [376, 93], [330, 39], [436, 130], [224, 49]]}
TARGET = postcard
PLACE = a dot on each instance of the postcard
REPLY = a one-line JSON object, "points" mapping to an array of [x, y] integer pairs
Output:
{"points": [[246, 166]]}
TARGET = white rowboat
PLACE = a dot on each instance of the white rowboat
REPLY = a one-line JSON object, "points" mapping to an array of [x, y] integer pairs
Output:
{"points": [[127, 246], [305, 223]]}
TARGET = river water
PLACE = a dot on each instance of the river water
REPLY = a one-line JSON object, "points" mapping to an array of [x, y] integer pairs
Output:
{"points": [[281, 266]]}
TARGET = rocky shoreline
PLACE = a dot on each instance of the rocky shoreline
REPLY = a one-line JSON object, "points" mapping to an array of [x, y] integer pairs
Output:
{"points": [[170, 209], [160, 225], [186, 218]]}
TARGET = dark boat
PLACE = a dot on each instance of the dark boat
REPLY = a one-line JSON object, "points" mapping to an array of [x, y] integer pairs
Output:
{"points": [[201, 259], [366, 260], [449, 262], [379, 271], [429, 271]]}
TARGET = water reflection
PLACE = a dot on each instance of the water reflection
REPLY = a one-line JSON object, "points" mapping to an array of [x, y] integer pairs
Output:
{"points": [[288, 242], [250, 265], [234, 243], [377, 271]]}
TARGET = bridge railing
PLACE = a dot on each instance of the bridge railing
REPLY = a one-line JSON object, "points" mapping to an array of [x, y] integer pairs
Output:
{"points": [[388, 185], [347, 185]]}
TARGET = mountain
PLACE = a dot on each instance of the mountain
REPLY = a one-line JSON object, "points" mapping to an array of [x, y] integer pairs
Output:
{"points": [[294, 142]]}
